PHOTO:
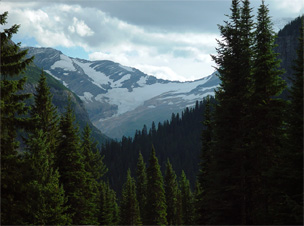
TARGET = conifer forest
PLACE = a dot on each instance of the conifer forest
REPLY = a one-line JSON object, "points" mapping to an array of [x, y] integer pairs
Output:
{"points": [[232, 159]]}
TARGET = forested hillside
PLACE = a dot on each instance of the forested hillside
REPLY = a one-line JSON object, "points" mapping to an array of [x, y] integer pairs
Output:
{"points": [[178, 140]]}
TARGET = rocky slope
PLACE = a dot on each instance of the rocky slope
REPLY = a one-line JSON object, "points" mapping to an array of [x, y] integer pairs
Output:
{"points": [[121, 99]]}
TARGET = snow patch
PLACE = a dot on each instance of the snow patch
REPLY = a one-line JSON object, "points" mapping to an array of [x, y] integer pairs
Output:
{"points": [[87, 97], [99, 78], [118, 83], [65, 62], [126, 68]]}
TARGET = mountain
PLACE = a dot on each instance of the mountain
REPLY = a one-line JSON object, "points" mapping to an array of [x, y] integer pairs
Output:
{"points": [[60, 98], [121, 99], [287, 44]]}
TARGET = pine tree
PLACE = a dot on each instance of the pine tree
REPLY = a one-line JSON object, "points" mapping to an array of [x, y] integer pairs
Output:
{"points": [[266, 135], [92, 157], [171, 192], [44, 199], [129, 208], [45, 114], [203, 177], [13, 117], [227, 169], [94, 165], [109, 211], [179, 208], [141, 184], [187, 201], [156, 201], [77, 182]]}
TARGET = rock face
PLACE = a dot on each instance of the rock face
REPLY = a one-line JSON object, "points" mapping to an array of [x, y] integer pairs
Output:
{"points": [[120, 99], [287, 44]]}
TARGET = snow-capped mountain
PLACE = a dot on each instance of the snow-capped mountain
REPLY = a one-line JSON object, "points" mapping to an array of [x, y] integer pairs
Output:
{"points": [[120, 99]]}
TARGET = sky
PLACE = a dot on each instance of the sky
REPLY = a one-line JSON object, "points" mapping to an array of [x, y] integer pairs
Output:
{"points": [[170, 39]]}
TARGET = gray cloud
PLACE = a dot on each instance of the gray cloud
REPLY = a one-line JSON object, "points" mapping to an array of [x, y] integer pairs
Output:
{"points": [[163, 37]]}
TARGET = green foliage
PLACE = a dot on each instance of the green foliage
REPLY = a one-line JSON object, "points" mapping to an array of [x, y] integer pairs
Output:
{"points": [[129, 207], [177, 140], [141, 184], [12, 59], [77, 183], [92, 157], [228, 170], [44, 200], [44, 114], [13, 117], [156, 202], [171, 192], [187, 201], [206, 158], [108, 208]]}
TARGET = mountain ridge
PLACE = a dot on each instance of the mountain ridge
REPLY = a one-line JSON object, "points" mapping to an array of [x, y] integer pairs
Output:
{"points": [[120, 99]]}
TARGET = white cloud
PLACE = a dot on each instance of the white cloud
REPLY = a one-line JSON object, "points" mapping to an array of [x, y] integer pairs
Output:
{"points": [[167, 55], [162, 72], [291, 6], [80, 27]]}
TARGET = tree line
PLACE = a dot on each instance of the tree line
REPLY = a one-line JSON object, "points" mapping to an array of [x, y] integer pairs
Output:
{"points": [[177, 139]]}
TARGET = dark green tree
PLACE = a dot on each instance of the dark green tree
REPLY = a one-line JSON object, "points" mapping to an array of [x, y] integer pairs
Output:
{"points": [[94, 166], [206, 158], [187, 201], [45, 114], [109, 211], [171, 192], [92, 157], [129, 207], [141, 184], [44, 199], [266, 134], [156, 201], [13, 117], [228, 169], [77, 182]]}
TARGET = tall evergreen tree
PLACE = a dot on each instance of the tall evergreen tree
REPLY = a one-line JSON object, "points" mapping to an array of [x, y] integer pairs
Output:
{"points": [[93, 165], [129, 208], [13, 117], [141, 184], [44, 199], [228, 169], [75, 179], [171, 192], [203, 177], [109, 211], [187, 201], [266, 134], [92, 157], [45, 114], [156, 201]]}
